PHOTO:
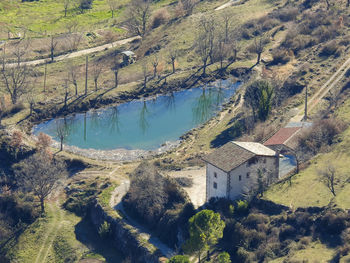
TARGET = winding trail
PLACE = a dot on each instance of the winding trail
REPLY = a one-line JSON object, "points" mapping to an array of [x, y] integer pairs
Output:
{"points": [[77, 53], [56, 225], [117, 204]]}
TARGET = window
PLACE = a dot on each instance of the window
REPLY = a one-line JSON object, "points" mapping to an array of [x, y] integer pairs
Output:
{"points": [[215, 175], [239, 177], [248, 174], [215, 185]]}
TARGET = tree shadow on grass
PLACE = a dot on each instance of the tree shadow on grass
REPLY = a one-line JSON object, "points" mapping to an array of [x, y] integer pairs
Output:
{"points": [[227, 135], [87, 234]]}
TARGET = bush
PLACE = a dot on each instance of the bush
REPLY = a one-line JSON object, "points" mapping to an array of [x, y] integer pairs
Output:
{"points": [[287, 14], [242, 206], [85, 4], [320, 135], [158, 202], [331, 48], [179, 259], [281, 56], [160, 17], [253, 220], [105, 230]]}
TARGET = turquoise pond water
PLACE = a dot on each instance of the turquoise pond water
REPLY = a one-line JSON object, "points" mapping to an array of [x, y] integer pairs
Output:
{"points": [[142, 124]]}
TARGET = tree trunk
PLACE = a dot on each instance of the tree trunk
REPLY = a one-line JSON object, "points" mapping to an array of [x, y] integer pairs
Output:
{"points": [[116, 78], [259, 56], [65, 12], [76, 87], [61, 146], [96, 87], [86, 74], [204, 68], [112, 13], [42, 205], [173, 63], [45, 73]]}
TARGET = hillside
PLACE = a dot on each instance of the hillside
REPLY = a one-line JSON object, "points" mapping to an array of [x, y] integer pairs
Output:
{"points": [[292, 46]]}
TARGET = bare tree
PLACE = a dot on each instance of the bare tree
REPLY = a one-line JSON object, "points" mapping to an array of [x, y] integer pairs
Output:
{"points": [[15, 81], [172, 55], [155, 63], [53, 45], [61, 132], [115, 68], [66, 4], [113, 6], [329, 177], [226, 19], [73, 75], [96, 72], [258, 47], [74, 40], [139, 14], [20, 50], [145, 74], [2, 108], [38, 174], [205, 41]]}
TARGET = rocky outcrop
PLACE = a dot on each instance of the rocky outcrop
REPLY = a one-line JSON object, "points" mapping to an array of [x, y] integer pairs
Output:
{"points": [[125, 237]]}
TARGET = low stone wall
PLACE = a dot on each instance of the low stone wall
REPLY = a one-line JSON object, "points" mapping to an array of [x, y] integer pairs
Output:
{"points": [[125, 237]]}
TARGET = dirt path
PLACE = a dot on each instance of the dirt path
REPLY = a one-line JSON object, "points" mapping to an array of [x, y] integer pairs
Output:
{"points": [[323, 91], [229, 3], [79, 53], [52, 204], [116, 203]]}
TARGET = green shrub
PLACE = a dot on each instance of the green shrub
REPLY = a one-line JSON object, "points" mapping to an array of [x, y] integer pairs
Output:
{"points": [[64, 252], [179, 259], [224, 257], [105, 230], [242, 206]]}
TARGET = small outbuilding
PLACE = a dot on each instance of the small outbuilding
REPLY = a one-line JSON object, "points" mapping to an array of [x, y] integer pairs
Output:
{"points": [[129, 57], [232, 170]]}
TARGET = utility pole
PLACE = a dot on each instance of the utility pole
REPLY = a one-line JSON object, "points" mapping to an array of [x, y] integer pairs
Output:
{"points": [[305, 113], [86, 74], [45, 72]]}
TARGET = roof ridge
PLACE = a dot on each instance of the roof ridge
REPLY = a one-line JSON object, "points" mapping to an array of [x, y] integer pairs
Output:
{"points": [[234, 142]]}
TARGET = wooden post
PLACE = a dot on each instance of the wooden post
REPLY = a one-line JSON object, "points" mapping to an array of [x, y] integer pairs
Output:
{"points": [[86, 74], [305, 113]]}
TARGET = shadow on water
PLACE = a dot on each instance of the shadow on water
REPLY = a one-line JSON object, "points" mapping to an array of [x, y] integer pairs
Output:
{"points": [[87, 234], [170, 102], [113, 120], [202, 107], [143, 118]]}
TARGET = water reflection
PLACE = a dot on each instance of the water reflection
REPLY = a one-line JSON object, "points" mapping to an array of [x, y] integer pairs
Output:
{"points": [[113, 120], [170, 101], [143, 118], [143, 124], [202, 108]]}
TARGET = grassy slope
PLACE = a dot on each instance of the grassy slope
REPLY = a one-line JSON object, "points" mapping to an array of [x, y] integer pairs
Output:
{"points": [[48, 16], [307, 189]]}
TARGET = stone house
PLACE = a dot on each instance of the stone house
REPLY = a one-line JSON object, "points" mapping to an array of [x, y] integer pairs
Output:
{"points": [[232, 170]]}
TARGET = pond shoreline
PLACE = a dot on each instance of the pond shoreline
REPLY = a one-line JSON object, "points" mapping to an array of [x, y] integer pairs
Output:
{"points": [[118, 155], [46, 113]]}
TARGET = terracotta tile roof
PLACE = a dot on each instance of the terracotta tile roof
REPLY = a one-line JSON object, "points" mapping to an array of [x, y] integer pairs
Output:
{"points": [[282, 136], [233, 154]]}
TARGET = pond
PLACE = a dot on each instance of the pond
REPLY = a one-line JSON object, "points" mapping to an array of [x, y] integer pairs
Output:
{"points": [[142, 124]]}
